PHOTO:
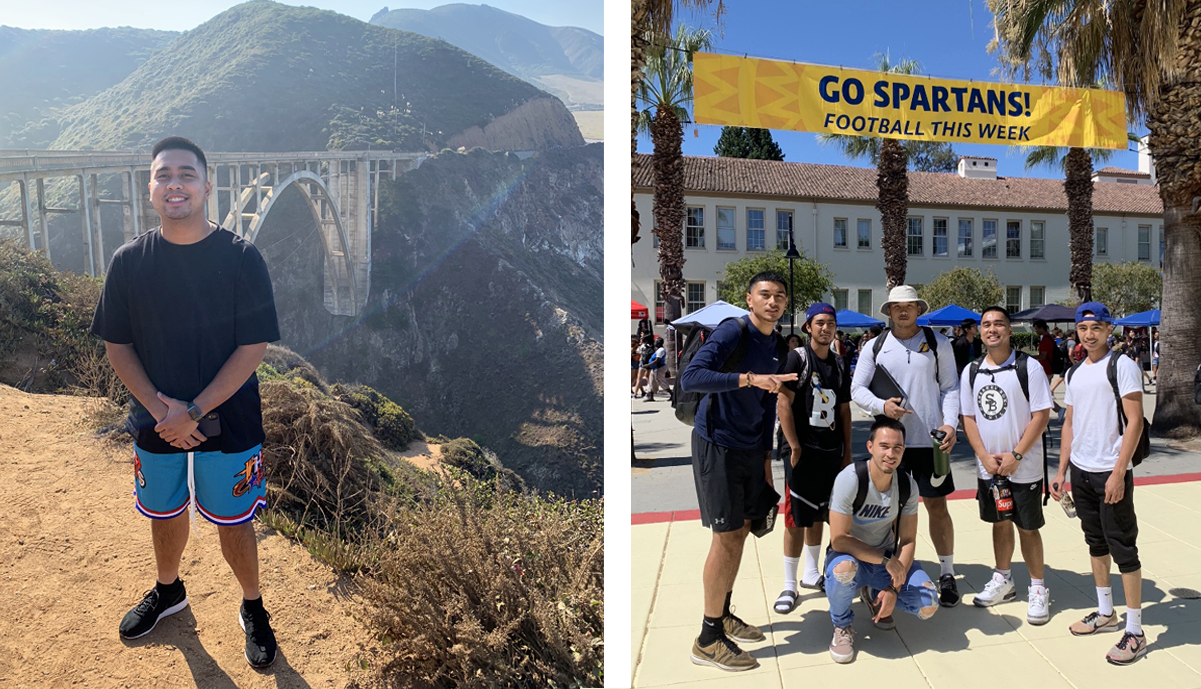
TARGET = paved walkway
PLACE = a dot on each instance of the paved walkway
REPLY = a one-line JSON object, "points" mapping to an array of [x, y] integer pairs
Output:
{"points": [[959, 646]]}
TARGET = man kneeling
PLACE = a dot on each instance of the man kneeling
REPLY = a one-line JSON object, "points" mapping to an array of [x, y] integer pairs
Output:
{"points": [[873, 527]]}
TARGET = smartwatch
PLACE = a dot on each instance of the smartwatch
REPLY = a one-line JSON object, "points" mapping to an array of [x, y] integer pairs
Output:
{"points": [[887, 556], [1017, 455], [194, 412]]}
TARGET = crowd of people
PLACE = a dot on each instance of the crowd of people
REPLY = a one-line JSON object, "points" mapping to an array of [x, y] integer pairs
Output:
{"points": [[926, 393]]}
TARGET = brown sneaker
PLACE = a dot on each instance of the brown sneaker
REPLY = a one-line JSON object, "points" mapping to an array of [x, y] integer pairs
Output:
{"points": [[842, 647], [1129, 649], [740, 631], [886, 622], [1093, 623], [724, 655]]}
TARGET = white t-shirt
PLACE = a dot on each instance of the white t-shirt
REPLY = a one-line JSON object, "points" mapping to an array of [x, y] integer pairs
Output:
{"points": [[1095, 439], [1002, 413], [912, 366]]}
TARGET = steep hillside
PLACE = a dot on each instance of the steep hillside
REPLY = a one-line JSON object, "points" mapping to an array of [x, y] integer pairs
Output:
{"points": [[565, 60], [267, 77], [485, 314], [43, 71]]}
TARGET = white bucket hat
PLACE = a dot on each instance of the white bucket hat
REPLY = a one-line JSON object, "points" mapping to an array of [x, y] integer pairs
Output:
{"points": [[904, 293]]}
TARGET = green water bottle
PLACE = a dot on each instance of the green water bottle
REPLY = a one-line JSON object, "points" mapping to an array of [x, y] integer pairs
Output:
{"points": [[942, 460]]}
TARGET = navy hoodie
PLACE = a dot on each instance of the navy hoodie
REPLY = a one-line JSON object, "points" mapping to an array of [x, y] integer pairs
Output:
{"points": [[742, 418]]}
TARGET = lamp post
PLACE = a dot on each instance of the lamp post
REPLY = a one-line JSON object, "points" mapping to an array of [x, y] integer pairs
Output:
{"points": [[792, 255]]}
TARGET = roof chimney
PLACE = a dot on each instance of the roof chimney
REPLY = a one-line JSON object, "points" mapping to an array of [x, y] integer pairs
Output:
{"points": [[977, 167]]}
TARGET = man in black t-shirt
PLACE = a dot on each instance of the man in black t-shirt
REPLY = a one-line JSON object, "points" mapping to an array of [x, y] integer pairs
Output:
{"points": [[815, 418], [965, 346], [186, 314]]}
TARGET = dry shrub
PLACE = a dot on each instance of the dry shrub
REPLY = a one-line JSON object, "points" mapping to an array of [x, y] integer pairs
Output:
{"points": [[480, 587], [292, 366]]}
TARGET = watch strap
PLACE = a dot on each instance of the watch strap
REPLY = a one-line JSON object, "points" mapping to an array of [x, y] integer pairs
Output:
{"points": [[194, 412]]}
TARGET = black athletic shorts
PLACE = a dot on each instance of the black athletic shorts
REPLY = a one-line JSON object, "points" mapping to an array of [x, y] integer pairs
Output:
{"points": [[919, 462], [1027, 504], [812, 480], [730, 485], [1108, 529]]}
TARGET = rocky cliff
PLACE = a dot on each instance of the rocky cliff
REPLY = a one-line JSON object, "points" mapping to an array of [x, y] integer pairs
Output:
{"points": [[537, 124]]}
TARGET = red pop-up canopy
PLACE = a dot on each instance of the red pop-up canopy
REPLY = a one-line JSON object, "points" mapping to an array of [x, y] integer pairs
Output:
{"points": [[637, 311]]}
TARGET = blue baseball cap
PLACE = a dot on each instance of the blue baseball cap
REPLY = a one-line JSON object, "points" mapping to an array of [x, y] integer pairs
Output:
{"points": [[819, 308], [1093, 311]]}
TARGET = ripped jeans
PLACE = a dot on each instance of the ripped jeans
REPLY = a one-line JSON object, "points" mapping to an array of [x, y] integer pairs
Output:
{"points": [[918, 591]]}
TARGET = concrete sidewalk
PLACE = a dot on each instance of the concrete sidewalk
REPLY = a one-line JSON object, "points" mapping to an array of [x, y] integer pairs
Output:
{"points": [[959, 646]]}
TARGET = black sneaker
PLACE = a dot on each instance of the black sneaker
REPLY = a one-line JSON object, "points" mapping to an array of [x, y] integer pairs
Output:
{"points": [[948, 592], [260, 640], [156, 604]]}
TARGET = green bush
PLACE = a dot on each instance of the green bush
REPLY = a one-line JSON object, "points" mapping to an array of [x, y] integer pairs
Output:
{"points": [[465, 454], [391, 424]]}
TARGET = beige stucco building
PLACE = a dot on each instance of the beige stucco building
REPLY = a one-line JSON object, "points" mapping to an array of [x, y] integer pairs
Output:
{"points": [[1017, 227]]}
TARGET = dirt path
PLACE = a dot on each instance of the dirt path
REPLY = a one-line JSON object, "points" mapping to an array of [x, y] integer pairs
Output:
{"points": [[75, 556]]}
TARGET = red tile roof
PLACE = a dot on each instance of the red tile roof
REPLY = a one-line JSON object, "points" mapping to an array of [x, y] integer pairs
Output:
{"points": [[1121, 172], [737, 176]]}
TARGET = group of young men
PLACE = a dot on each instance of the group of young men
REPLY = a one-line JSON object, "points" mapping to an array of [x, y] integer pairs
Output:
{"points": [[908, 379]]}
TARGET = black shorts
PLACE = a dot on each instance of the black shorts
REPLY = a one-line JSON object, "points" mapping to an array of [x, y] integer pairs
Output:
{"points": [[919, 462], [1108, 529], [1027, 504], [812, 480], [730, 485]]}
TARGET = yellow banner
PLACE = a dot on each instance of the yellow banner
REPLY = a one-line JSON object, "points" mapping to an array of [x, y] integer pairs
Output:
{"points": [[769, 94]]}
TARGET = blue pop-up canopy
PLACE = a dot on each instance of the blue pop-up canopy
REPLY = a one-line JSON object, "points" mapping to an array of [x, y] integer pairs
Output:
{"points": [[853, 319], [948, 315], [1143, 319]]}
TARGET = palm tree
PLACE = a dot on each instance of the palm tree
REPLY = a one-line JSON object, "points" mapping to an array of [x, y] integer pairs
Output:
{"points": [[892, 180], [664, 97], [625, 55], [1148, 50]]}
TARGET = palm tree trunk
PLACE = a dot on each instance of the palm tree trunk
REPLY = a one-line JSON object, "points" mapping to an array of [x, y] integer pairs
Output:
{"points": [[625, 54], [668, 136], [1078, 187], [892, 179]]}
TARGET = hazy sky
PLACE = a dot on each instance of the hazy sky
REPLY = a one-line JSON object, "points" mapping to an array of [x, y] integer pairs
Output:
{"points": [[182, 16]]}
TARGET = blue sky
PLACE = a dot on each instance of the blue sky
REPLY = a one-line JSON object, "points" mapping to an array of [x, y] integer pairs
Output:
{"points": [[181, 16], [948, 39]]}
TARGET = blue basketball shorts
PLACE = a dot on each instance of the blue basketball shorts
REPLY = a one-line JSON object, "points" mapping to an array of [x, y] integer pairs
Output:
{"points": [[226, 488]]}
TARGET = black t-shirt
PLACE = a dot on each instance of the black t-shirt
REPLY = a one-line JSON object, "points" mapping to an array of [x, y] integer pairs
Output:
{"points": [[815, 405], [185, 309]]}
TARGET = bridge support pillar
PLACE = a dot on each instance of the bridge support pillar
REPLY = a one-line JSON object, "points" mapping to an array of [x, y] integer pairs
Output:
{"points": [[45, 234]]}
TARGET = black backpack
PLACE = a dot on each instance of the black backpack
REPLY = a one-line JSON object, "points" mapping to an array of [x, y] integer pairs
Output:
{"points": [[1059, 361], [931, 342], [1143, 448], [863, 478], [686, 403]]}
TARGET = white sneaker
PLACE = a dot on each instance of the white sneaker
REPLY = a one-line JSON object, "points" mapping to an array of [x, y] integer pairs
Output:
{"points": [[1039, 610], [999, 589]]}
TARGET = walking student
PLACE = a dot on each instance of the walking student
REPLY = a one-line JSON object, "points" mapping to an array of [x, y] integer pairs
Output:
{"points": [[731, 457], [873, 531], [1006, 403], [922, 363], [1098, 454], [815, 417], [186, 313]]}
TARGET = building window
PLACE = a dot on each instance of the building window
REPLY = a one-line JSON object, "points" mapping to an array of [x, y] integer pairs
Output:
{"points": [[840, 299], [989, 249], [865, 234], [1101, 242], [694, 228], [659, 305], [696, 296], [784, 229], [965, 238], [1013, 239], [756, 237], [865, 301], [1144, 242], [1038, 297], [840, 233], [940, 237], [913, 244], [1013, 299], [725, 228], [1038, 242]]}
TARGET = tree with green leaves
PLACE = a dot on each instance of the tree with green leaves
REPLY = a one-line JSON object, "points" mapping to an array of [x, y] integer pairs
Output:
{"points": [[747, 142], [663, 98], [970, 288], [1127, 288], [811, 279]]}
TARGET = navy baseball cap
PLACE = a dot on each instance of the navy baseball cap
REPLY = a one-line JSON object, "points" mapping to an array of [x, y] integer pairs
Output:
{"points": [[1093, 311], [819, 308]]}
